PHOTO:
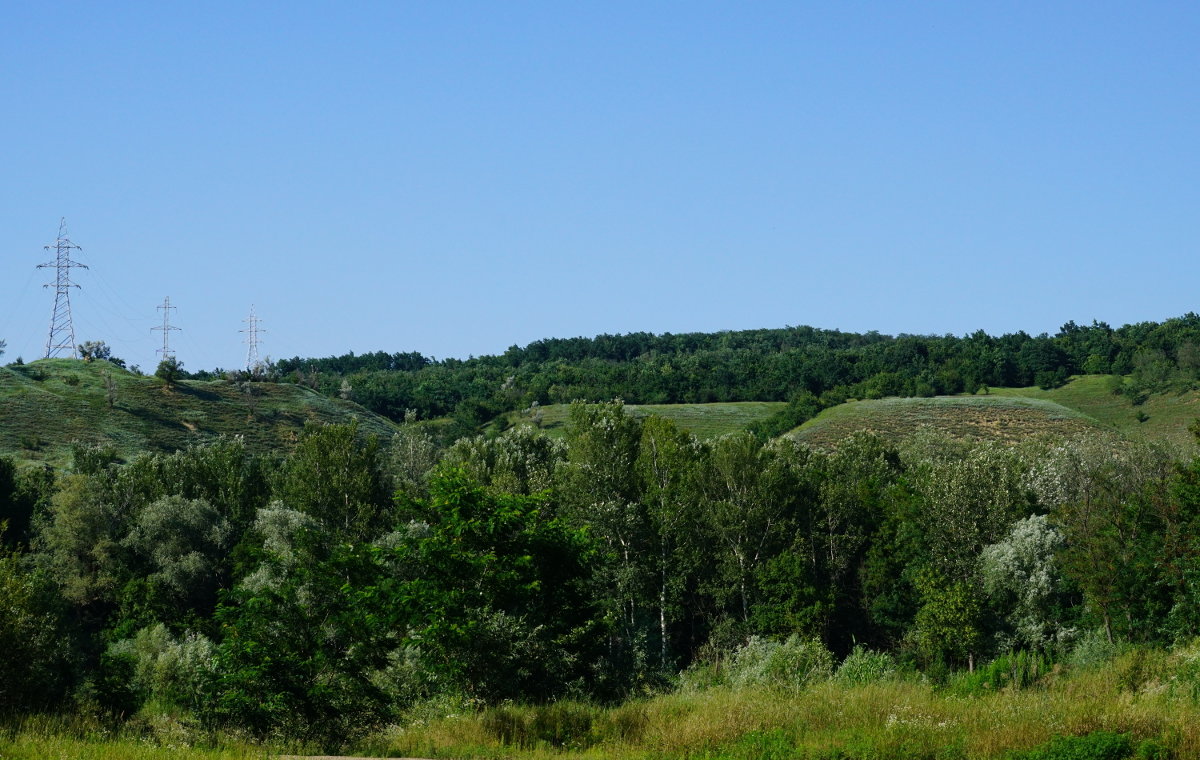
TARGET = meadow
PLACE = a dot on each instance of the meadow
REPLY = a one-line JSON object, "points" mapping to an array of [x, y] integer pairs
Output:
{"points": [[704, 421]]}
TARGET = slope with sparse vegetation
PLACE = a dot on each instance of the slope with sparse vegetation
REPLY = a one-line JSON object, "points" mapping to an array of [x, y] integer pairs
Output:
{"points": [[47, 405]]}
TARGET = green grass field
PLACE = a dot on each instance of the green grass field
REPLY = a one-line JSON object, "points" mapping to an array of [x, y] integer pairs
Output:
{"points": [[701, 420], [48, 404]]}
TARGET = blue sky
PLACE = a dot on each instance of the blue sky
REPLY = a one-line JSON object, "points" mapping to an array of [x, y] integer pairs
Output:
{"points": [[455, 177]]}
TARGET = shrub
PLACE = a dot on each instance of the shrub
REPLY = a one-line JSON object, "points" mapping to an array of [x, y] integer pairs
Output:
{"points": [[164, 668], [1015, 670], [1094, 649], [792, 664], [1101, 745], [863, 666], [1185, 678]]}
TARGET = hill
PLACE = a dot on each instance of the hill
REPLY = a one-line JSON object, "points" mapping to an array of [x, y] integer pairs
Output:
{"points": [[1006, 418], [48, 404], [1166, 415], [701, 420]]}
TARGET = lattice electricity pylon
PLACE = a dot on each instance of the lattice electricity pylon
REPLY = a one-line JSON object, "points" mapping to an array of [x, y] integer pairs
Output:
{"points": [[253, 364], [166, 328], [62, 329]]}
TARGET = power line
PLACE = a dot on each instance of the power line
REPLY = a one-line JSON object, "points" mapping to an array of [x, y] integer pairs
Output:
{"points": [[252, 330], [62, 329], [166, 328]]}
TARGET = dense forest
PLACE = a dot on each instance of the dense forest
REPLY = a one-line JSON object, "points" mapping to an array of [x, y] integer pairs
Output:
{"points": [[810, 367]]}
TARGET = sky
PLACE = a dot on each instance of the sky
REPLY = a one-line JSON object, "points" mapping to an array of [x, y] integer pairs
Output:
{"points": [[457, 177]]}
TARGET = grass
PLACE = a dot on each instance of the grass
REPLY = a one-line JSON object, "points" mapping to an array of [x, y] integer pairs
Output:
{"points": [[1168, 415], [1085, 405], [48, 404], [701, 420], [1006, 418], [1150, 696], [897, 719]]}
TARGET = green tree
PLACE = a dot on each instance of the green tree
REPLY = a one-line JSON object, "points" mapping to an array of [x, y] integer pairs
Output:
{"points": [[92, 350], [335, 475], [170, 371], [665, 466], [746, 491], [599, 488], [33, 668]]}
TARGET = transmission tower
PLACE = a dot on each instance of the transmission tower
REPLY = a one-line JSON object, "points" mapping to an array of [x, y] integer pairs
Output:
{"points": [[252, 330], [62, 329], [166, 328]]}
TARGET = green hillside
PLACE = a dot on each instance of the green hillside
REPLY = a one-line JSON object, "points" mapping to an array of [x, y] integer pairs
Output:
{"points": [[1005, 418], [701, 420], [1167, 415], [46, 405], [1085, 403]]}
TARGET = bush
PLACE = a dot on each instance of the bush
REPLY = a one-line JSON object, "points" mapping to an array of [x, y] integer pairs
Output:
{"points": [[163, 668], [864, 666], [1185, 678], [792, 664], [1101, 745], [1015, 670], [1094, 649]]}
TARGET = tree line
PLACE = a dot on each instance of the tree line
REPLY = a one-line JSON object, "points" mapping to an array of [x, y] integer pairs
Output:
{"points": [[810, 367], [316, 594]]}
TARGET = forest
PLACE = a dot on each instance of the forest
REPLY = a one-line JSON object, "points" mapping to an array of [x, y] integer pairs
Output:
{"points": [[558, 593], [811, 368]]}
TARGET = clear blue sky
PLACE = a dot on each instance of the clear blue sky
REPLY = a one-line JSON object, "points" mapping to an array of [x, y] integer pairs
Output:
{"points": [[454, 178]]}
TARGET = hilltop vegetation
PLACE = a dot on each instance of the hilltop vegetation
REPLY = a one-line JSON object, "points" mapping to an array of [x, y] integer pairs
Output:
{"points": [[806, 367], [50, 404], [1010, 419], [701, 420]]}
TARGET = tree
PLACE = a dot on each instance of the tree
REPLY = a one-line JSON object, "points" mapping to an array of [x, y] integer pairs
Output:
{"points": [[1022, 576], [33, 667], [497, 592], [169, 370], [110, 390], [746, 492], [92, 350], [665, 466], [599, 488], [182, 543], [334, 474]]}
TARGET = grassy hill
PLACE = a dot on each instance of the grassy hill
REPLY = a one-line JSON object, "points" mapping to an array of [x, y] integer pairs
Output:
{"points": [[1010, 418], [1167, 415], [701, 420], [45, 405], [1084, 405]]}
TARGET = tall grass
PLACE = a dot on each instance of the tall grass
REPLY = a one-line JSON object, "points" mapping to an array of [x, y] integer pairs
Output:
{"points": [[1025, 704], [76, 738], [1146, 700]]}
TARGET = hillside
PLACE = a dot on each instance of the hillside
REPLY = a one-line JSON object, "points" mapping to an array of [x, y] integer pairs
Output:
{"points": [[45, 405], [1167, 415], [1005, 418], [701, 420]]}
